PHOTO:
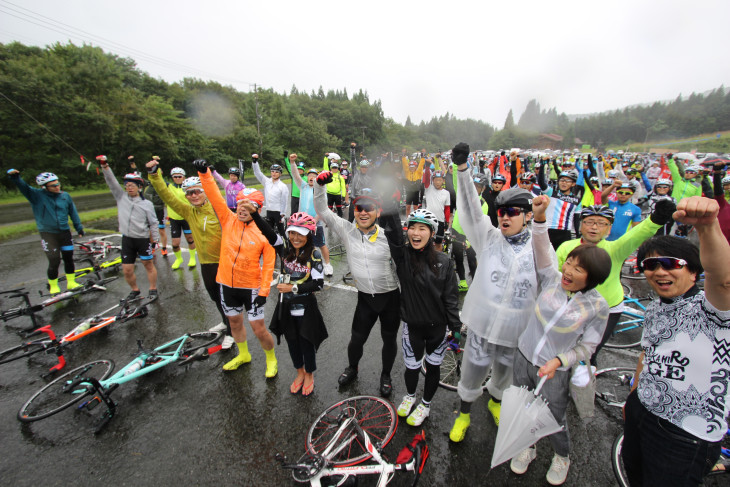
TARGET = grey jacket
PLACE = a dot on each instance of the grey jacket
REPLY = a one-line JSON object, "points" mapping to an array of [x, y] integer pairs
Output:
{"points": [[136, 215]]}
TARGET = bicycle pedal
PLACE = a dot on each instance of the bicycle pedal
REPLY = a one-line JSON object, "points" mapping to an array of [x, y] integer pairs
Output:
{"points": [[90, 404]]}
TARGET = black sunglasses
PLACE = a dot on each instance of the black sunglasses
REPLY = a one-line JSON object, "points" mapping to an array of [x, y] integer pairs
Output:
{"points": [[368, 207], [667, 263], [511, 212]]}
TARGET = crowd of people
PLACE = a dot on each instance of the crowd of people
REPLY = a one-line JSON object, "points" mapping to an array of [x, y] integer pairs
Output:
{"points": [[544, 234]]}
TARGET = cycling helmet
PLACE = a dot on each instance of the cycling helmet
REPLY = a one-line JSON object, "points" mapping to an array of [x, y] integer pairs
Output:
{"points": [[45, 177], [364, 163], [175, 171], [423, 216], [235, 170], [571, 174], [368, 194], [133, 177], [594, 181], [665, 181], [597, 210], [694, 167], [277, 168], [515, 197], [334, 165], [499, 177], [613, 174], [300, 165], [191, 182], [313, 171], [726, 180], [253, 195], [528, 176], [480, 179], [438, 174], [302, 221]]}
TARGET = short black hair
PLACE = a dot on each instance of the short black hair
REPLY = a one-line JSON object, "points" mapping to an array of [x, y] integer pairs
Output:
{"points": [[670, 246], [595, 261]]}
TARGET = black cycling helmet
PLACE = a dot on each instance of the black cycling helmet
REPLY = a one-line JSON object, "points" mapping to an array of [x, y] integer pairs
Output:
{"points": [[499, 177], [235, 170], [515, 197], [276, 167], [597, 210]]}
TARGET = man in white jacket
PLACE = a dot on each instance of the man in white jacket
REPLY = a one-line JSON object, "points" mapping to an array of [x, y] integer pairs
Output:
{"points": [[276, 194]]}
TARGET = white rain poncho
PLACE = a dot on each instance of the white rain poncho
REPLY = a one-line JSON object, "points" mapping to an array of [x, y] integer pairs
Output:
{"points": [[502, 294], [560, 326]]}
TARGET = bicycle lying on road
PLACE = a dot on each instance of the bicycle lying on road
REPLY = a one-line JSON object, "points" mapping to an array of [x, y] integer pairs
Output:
{"points": [[340, 439], [129, 309], [91, 384], [27, 309], [98, 248]]}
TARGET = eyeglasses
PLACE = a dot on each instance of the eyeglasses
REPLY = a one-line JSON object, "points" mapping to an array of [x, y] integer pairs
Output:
{"points": [[368, 207], [625, 193], [667, 263], [192, 192], [53, 185], [510, 212], [598, 224]]}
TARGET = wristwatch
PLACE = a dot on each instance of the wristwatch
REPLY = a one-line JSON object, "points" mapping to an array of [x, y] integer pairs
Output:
{"points": [[295, 289]]}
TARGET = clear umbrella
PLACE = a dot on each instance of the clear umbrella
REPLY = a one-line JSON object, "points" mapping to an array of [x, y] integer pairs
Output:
{"points": [[525, 418], [686, 156], [333, 156]]}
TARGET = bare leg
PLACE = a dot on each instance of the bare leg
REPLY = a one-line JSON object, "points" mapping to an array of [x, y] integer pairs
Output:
{"points": [[128, 271], [149, 266]]}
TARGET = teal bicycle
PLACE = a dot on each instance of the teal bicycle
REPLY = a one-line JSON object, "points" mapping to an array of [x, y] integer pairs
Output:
{"points": [[92, 384]]}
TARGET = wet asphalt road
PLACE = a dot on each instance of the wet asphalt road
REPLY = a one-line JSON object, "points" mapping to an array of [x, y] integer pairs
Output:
{"points": [[201, 426]]}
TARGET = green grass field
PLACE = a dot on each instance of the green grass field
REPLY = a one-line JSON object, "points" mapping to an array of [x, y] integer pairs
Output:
{"points": [[87, 218]]}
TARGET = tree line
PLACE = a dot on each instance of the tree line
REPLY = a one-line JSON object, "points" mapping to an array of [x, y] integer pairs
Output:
{"points": [[63, 101]]}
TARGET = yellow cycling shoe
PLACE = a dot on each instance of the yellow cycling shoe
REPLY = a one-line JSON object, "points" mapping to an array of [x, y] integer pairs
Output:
{"points": [[494, 408], [458, 431], [272, 368], [240, 359]]}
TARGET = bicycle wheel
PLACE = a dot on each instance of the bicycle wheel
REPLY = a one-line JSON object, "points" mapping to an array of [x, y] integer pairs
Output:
{"points": [[618, 463], [629, 328], [24, 350], [613, 384], [451, 367], [196, 341], [376, 417], [54, 397]]}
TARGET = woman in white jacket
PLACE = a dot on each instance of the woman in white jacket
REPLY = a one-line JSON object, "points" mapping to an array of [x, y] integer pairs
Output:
{"points": [[564, 328]]}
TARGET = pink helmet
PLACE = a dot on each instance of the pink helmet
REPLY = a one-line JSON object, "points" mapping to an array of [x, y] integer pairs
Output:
{"points": [[303, 220], [253, 195]]}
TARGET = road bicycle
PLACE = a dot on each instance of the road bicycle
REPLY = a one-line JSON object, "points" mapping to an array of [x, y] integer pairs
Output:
{"points": [[96, 267], [98, 248], [92, 384], [128, 309], [451, 365], [28, 309], [342, 438], [627, 333]]}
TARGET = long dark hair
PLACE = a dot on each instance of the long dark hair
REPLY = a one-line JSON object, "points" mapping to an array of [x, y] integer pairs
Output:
{"points": [[304, 255], [426, 257]]}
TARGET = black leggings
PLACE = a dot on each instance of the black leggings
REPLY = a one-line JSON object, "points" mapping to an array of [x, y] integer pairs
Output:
{"points": [[424, 340], [57, 246], [274, 219], [457, 251], [336, 201], [557, 237], [301, 350], [610, 325], [369, 308], [209, 271]]}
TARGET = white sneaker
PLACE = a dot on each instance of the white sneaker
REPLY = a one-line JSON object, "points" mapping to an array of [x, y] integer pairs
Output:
{"points": [[417, 417], [219, 327], [328, 270], [558, 470], [520, 463], [228, 342], [406, 405]]}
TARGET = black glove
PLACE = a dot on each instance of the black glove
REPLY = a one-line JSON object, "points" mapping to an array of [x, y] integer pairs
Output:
{"points": [[670, 156], [460, 153], [286, 154], [324, 178], [81, 233], [153, 169], [201, 165], [663, 211], [259, 301]]}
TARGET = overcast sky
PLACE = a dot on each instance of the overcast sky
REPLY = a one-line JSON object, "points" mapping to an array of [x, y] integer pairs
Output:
{"points": [[420, 58]]}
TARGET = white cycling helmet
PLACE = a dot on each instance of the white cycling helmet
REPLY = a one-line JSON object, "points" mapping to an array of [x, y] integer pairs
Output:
{"points": [[191, 182], [177, 170], [425, 217], [45, 177], [726, 180], [664, 181]]}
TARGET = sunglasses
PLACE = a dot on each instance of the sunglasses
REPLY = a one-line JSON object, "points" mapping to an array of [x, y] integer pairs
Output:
{"points": [[625, 193], [497, 182], [667, 263], [53, 185], [510, 212], [368, 207], [191, 192], [177, 176], [662, 186]]}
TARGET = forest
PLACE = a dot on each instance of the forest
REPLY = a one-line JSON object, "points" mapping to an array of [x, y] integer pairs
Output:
{"points": [[62, 102]]}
